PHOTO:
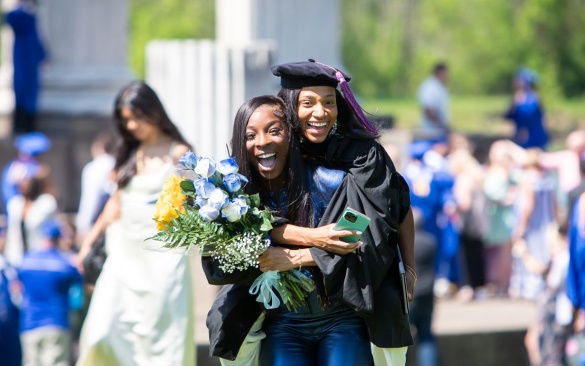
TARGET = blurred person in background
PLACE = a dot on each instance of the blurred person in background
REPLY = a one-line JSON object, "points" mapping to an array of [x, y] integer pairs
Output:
{"points": [[30, 146], [28, 54], [431, 190], [526, 112], [536, 212], [545, 340], [141, 310], [27, 213], [433, 98], [575, 287], [576, 192], [10, 349], [422, 307], [46, 276], [472, 219], [499, 188], [96, 184], [566, 164]]}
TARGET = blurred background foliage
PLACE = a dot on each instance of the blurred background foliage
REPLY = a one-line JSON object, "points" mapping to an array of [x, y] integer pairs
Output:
{"points": [[167, 19], [389, 47]]}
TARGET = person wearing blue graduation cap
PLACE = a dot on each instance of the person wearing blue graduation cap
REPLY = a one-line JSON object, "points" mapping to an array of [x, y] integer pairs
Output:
{"points": [[26, 165], [28, 54], [46, 276], [526, 112]]}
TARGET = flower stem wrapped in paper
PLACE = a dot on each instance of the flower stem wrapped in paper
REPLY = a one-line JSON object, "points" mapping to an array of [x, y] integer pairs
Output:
{"points": [[207, 212]]}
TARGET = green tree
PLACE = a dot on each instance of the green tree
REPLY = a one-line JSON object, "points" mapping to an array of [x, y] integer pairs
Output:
{"points": [[167, 19]]}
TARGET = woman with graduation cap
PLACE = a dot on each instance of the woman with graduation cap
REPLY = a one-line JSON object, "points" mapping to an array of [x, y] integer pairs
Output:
{"points": [[367, 283], [335, 133]]}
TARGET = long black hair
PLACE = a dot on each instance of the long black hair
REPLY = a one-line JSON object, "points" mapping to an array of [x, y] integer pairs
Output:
{"points": [[144, 104], [347, 122], [299, 207]]}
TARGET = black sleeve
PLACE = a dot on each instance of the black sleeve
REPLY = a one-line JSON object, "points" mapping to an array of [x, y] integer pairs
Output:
{"points": [[216, 276], [373, 187]]}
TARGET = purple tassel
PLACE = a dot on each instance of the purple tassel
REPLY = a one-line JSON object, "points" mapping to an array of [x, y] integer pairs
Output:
{"points": [[344, 86]]}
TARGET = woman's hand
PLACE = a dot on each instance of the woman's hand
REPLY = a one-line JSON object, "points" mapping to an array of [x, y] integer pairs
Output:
{"points": [[410, 282], [279, 259], [326, 238]]}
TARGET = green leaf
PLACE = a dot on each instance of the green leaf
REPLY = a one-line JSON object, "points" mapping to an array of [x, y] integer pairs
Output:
{"points": [[266, 224], [255, 200], [188, 187]]}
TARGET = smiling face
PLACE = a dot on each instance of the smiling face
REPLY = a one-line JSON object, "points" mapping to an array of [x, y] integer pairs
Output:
{"points": [[267, 143], [317, 111], [138, 126]]}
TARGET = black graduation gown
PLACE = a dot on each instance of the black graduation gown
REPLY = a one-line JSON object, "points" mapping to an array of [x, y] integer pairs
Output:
{"points": [[368, 279], [372, 289], [233, 311]]}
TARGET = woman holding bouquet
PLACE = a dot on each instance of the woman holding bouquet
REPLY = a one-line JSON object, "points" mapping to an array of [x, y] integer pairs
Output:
{"points": [[267, 152], [335, 134], [141, 311]]}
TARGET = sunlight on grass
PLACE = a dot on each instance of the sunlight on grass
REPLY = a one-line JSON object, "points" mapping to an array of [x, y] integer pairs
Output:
{"points": [[482, 115]]}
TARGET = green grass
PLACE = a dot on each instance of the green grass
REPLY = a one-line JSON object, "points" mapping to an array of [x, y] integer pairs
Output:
{"points": [[482, 114]]}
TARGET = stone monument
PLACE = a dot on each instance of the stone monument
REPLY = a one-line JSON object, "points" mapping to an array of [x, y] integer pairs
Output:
{"points": [[87, 65]]}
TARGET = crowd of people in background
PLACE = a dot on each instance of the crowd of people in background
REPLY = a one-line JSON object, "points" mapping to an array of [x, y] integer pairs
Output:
{"points": [[501, 226]]}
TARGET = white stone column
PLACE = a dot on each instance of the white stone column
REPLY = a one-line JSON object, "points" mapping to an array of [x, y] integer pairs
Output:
{"points": [[203, 83], [302, 29], [87, 43], [6, 40]]}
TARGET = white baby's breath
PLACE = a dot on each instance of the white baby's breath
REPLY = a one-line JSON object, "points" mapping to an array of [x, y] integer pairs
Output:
{"points": [[240, 253]]}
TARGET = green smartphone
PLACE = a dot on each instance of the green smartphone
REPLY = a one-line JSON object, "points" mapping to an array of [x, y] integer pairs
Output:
{"points": [[352, 220]]}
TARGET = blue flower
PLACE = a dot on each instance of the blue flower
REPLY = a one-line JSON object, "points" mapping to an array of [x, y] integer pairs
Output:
{"points": [[205, 166], [188, 160], [241, 202], [218, 198], [227, 166], [231, 212], [208, 213], [232, 182], [200, 201], [203, 188]]}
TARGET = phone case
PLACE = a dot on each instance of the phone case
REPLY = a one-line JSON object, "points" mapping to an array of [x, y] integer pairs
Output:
{"points": [[346, 222]]}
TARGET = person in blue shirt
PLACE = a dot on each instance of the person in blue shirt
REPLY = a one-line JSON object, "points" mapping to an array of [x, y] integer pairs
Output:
{"points": [[46, 275], [28, 54], [26, 165], [10, 350], [527, 113], [575, 286]]}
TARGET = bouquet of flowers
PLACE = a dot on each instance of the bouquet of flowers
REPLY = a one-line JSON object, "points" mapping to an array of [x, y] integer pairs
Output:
{"points": [[208, 211]]}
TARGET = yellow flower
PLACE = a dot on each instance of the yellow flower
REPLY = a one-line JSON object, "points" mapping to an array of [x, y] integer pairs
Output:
{"points": [[170, 202]]}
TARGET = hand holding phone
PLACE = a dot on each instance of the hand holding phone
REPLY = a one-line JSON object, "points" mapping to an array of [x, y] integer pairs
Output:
{"points": [[352, 220]]}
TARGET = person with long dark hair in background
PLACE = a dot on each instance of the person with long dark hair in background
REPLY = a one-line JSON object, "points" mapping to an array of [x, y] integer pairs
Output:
{"points": [[141, 311]]}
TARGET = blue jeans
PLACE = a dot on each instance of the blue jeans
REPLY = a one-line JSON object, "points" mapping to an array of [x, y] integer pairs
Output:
{"points": [[331, 340]]}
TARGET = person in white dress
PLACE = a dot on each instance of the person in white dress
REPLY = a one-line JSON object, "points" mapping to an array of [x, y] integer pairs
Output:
{"points": [[141, 311]]}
